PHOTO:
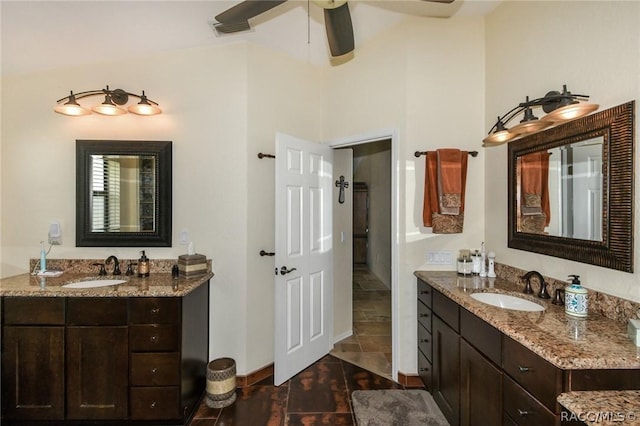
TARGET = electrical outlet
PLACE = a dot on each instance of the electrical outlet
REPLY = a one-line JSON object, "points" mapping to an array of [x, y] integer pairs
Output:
{"points": [[55, 234], [439, 257]]}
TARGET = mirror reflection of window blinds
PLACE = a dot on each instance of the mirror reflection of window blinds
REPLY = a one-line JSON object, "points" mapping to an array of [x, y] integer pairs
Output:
{"points": [[105, 194]]}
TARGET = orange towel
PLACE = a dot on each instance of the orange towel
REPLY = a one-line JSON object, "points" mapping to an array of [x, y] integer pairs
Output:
{"points": [[456, 185], [449, 180], [430, 205], [534, 178]]}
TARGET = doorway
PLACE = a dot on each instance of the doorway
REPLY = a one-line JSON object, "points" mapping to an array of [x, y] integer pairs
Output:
{"points": [[371, 341]]}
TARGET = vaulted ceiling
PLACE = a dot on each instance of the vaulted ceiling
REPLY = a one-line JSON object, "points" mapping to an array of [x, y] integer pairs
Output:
{"points": [[39, 35]]}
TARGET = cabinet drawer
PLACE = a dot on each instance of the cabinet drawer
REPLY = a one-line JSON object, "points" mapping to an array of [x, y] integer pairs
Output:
{"points": [[96, 311], [154, 337], [155, 369], [447, 310], [33, 310], [154, 403], [522, 407], [424, 292], [536, 375], [424, 316], [425, 370], [484, 337], [154, 310], [425, 341]]}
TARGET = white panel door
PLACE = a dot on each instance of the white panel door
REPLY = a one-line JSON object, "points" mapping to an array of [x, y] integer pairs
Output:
{"points": [[304, 263]]}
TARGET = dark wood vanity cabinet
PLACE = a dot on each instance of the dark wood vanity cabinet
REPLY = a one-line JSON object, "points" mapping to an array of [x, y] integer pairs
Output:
{"points": [[136, 359], [480, 372], [480, 376], [425, 340], [33, 380], [96, 358], [154, 342], [446, 357]]}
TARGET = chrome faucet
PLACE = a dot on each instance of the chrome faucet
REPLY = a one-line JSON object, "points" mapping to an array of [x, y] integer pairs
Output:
{"points": [[116, 264], [543, 294]]}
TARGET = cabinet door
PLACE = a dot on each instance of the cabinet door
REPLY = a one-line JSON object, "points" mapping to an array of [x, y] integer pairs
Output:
{"points": [[481, 393], [33, 372], [97, 367], [446, 370]]}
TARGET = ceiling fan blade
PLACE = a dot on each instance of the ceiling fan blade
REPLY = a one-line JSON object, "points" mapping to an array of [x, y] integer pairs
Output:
{"points": [[246, 10], [339, 30]]}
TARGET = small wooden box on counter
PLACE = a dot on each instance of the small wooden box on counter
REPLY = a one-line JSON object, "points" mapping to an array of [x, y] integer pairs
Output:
{"points": [[192, 265]]}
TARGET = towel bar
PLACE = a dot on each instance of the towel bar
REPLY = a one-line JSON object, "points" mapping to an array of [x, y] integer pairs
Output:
{"points": [[419, 153]]}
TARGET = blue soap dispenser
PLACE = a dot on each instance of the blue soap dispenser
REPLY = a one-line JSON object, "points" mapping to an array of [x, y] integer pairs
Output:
{"points": [[575, 298]]}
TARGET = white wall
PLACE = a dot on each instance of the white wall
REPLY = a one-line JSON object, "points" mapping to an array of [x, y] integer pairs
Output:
{"points": [[594, 48], [424, 78]]}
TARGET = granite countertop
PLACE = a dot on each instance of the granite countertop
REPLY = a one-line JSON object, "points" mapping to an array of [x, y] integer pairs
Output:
{"points": [[602, 408], [595, 342], [156, 285]]}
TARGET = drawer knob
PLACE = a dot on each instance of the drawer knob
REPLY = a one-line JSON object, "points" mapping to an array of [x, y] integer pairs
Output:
{"points": [[523, 413], [422, 369], [155, 310], [152, 405], [523, 369], [154, 370], [424, 340], [424, 315], [154, 339], [424, 292]]}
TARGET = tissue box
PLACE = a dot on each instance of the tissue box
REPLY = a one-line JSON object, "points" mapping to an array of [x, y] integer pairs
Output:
{"points": [[192, 265], [633, 329]]}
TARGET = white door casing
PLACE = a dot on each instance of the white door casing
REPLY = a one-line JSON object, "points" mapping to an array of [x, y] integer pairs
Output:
{"points": [[304, 293]]}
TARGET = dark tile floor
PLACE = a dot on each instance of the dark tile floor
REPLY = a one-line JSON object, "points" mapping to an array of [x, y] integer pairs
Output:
{"points": [[319, 395]]}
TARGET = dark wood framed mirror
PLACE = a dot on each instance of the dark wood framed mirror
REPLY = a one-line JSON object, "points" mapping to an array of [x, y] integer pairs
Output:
{"points": [[123, 193], [571, 190]]}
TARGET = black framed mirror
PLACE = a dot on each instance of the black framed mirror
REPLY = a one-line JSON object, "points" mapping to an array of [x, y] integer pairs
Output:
{"points": [[123, 193], [571, 190]]}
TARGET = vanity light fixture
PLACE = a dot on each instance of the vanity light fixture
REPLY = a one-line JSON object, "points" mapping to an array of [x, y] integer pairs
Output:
{"points": [[560, 107], [112, 105]]}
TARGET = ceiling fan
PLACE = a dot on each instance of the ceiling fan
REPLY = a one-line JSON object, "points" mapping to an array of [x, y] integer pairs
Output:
{"points": [[337, 20]]}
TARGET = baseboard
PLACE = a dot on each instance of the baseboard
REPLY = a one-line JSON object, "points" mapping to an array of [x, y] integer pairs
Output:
{"points": [[410, 380], [342, 336], [254, 377]]}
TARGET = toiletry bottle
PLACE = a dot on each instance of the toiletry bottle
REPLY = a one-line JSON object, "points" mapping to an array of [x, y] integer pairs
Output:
{"points": [[575, 298], [43, 257], [483, 261], [143, 265], [464, 263], [492, 263], [475, 260]]}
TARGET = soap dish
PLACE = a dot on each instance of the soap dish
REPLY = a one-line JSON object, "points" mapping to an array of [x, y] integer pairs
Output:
{"points": [[633, 329], [50, 273]]}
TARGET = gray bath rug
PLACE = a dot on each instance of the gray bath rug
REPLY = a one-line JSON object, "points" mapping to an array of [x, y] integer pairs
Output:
{"points": [[396, 407]]}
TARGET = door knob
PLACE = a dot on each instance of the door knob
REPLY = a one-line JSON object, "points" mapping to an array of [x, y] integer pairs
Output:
{"points": [[284, 270]]}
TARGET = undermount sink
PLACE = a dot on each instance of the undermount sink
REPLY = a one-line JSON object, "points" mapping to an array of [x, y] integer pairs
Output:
{"points": [[93, 283], [506, 301]]}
